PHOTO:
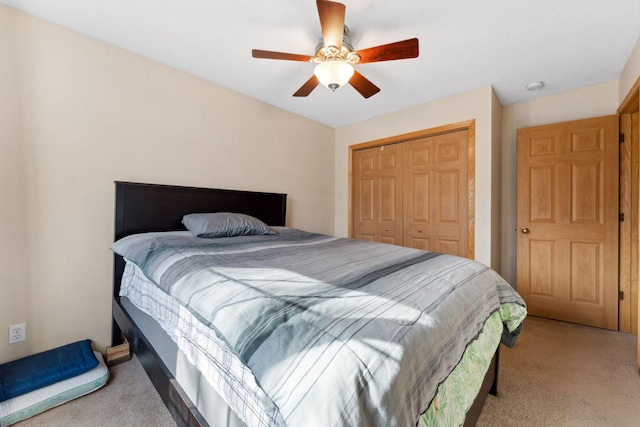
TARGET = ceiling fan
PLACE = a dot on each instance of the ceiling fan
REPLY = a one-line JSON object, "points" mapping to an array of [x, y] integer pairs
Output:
{"points": [[335, 57]]}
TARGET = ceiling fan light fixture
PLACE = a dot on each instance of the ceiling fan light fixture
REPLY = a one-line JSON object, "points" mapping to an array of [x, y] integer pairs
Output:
{"points": [[335, 57], [334, 73]]}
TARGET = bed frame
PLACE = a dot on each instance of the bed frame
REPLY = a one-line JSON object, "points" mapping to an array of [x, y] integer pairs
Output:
{"points": [[143, 208]]}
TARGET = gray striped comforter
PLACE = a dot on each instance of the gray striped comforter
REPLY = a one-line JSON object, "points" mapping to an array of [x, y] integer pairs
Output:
{"points": [[337, 332]]}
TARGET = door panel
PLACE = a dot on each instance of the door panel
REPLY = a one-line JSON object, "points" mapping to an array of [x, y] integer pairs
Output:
{"points": [[449, 196], [542, 185], [388, 198], [586, 278], [366, 187], [419, 191], [435, 202], [449, 246], [567, 219], [377, 194], [542, 255], [586, 192], [421, 196]]}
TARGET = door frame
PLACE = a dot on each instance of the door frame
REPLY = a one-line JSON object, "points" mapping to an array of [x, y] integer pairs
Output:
{"points": [[470, 126], [631, 104]]}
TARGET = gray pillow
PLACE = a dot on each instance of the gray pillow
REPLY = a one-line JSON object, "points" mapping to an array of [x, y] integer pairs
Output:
{"points": [[224, 224]]}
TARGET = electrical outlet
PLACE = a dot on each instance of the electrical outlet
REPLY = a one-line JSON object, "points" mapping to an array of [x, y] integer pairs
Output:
{"points": [[17, 333]]}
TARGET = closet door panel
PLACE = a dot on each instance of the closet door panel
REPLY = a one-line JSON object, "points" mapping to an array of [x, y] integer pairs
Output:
{"points": [[435, 193], [418, 193], [448, 197], [450, 213], [377, 194]]}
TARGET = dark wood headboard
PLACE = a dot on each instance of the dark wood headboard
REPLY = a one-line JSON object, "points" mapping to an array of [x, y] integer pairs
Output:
{"points": [[143, 208]]}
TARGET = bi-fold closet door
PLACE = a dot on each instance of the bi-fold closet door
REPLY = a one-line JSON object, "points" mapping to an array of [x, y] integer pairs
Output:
{"points": [[414, 193]]}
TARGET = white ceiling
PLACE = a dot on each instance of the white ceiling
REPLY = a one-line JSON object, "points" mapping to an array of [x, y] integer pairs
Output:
{"points": [[464, 45]]}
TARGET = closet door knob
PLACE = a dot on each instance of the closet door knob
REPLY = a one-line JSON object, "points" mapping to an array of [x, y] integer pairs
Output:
{"points": [[524, 230], [419, 230]]}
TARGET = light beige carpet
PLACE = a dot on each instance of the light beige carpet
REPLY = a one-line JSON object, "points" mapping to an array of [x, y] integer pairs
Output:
{"points": [[562, 374], [558, 374]]}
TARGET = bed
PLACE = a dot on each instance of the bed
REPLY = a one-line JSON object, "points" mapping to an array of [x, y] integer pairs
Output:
{"points": [[194, 381]]}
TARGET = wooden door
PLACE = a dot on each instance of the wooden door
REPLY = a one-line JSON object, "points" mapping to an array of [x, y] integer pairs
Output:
{"points": [[435, 212], [377, 194], [567, 245]]}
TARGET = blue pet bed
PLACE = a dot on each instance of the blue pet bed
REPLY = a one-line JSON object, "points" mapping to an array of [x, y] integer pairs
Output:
{"points": [[40, 370], [36, 383], [30, 404]]}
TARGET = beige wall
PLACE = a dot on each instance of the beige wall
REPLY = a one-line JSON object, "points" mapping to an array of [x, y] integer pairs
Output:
{"points": [[630, 73], [592, 101], [78, 114], [476, 104], [14, 291]]}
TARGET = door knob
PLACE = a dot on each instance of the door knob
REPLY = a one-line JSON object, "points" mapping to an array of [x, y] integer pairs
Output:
{"points": [[524, 230], [386, 229], [419, 230]]}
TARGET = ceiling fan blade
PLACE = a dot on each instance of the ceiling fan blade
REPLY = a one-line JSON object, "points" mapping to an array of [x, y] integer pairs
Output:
{"points": [[308, 87], [267, 54], [363, 85], [332, 22], [388, 52]]}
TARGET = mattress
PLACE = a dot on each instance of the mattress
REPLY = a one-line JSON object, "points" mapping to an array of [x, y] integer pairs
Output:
{"points": [[27, 405], [223, 365]]}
